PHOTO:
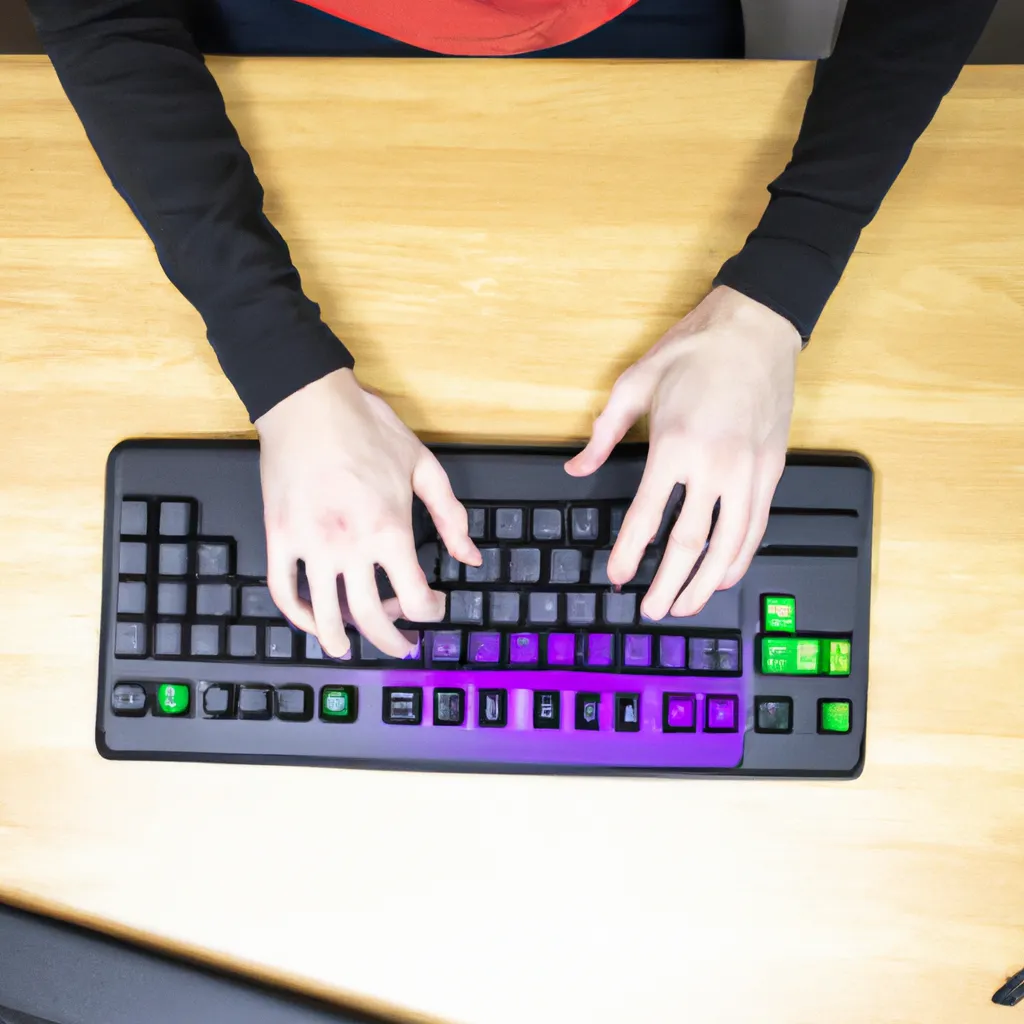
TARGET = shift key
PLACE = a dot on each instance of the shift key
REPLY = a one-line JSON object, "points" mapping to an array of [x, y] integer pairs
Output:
{"points": [[722, 611]]}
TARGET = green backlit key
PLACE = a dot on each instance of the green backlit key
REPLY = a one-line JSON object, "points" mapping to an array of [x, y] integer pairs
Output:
{"points": [[779, 614], [834, 716], [838, 657], [172, 698], [338, 704], [790, 656]]}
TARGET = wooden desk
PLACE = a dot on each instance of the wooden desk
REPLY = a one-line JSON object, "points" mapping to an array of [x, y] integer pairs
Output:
{"points": [[497, 241]]}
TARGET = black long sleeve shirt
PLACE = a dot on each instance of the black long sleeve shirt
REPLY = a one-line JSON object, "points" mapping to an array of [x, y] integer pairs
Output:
{"points": [[155, 116]]}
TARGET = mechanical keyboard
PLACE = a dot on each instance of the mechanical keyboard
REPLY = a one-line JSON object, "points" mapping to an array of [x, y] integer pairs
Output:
{"points": [[540, 665]]}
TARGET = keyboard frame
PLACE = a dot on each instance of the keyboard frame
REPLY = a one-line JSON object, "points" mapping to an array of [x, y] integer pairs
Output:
{"points": [[853, 465]]}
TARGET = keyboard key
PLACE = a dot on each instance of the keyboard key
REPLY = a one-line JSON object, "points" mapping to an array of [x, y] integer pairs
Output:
{"points": [[778, 614], [562, 649], [477, 522], [524, 648], [205, 640], [504, 608], [132, 558], [168, 639], [708, 654], [774, 714], [547, 524], [314, 652], [493, 708], [449, 706], [213, 558], [254, 702], [218, 701], [446, 646], [171, 598], [617, 516], [672, 651], [542, 608], [600, 649], [134, 518], [566, 564], [173, 560], [636, 651], [525, 565], [130, 640], [215, 599], [489, 570], [790, 655], [128, 699], [175, 518], [508, 524], [647, 569], [450, 568], [131, 598], [587, 705], [580, 609], [679, 712], [838, 657], [403, 705], [242, 641], [721, 714], [278, 642], [172, 699], [834, 716], [484, 648], [369, 652], [585, 524], [547, 709], [627, 712], [599, 568], [258, 604], [619, 609], [466, 606], [338, 703]]}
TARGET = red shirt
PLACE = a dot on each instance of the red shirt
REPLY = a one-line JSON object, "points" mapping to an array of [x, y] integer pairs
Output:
{"points": [[478, 28]]}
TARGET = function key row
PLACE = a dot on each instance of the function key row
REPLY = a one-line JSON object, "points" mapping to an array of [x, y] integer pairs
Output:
{"points": [[404, 705], [583, 524]]}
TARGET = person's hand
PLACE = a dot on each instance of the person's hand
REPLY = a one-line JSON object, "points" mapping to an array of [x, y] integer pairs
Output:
{"points": [[339, 470], [719, 391]]}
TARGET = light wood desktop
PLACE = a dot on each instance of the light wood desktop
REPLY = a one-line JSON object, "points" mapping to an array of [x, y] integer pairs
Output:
{"points": [[496, 241]]}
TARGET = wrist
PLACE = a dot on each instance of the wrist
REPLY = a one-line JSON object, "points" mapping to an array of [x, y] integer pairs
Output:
{"points": [[739, 312]]}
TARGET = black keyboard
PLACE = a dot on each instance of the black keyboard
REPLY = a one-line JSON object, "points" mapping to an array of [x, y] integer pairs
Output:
{"points": [[540, 664]]}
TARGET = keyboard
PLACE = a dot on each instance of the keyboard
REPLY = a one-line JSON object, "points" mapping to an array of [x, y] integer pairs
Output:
{"points": [[540, 665]]}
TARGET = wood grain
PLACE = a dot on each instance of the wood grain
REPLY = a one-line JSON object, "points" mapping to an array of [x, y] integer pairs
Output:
{"points": [[496, 241]]}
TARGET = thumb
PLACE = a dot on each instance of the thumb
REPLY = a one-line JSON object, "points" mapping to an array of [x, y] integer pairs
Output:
{"points": [[629, 400]]}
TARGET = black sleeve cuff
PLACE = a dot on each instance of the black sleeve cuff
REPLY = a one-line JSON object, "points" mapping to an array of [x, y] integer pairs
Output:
{"points": [[793, 260]]}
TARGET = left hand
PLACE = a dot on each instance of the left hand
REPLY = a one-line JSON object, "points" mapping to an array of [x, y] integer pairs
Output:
{"points": [[719, 390]]}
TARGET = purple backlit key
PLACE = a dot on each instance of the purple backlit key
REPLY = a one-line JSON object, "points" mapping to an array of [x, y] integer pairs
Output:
{"points": [[599, 649], [485, 648], [680, 712], [637, 651], [672, 651], [722, 714], [447, 646], [524, 648], [562, 649]]}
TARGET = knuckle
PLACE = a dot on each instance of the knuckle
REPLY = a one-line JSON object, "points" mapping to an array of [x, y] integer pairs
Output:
{"points": [[686, 541]]}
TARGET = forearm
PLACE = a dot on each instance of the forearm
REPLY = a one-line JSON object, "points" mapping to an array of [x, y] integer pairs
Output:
{"points": [[157, 121], [872, 98]]}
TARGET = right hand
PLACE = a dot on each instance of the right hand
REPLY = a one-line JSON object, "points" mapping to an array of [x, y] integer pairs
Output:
{"points": [[339, 470]]}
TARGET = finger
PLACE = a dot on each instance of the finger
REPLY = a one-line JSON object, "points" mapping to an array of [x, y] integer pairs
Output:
{"points": [[282, 582], [627, 402], [368, 614], [417, 601], [329, 625], [431, 483], [729, 533], [642, 520], [766, 479], [685, 544]]}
